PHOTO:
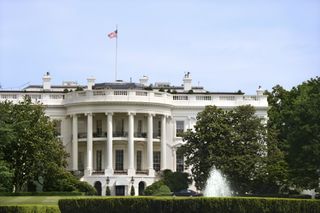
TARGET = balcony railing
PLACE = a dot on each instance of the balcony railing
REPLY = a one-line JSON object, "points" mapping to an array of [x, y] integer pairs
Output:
{"points": [[142, 172], [98, 172], [140, 134], [120, 134], [121, 172], [99, 134], [82, 135]]}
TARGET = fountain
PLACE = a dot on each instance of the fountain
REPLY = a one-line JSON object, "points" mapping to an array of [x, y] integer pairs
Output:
{"points": [[217, 185]]}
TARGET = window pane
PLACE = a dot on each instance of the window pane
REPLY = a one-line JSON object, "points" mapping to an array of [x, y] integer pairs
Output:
{"points": [[139, 160], [156, 161], [179, 128], [180, 163], [119, 160]]}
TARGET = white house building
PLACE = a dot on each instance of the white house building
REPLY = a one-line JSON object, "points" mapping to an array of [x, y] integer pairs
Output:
{"points": [[121, 134]]}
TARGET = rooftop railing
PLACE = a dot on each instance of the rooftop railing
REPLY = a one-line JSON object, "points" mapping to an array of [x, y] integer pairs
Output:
{"points": [[138, 96]]}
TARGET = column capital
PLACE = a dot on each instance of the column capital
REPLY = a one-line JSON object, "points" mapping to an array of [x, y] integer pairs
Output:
{"points": [[151, 114], [72, 115], [109, 113], [88, 113], [131, 113]]}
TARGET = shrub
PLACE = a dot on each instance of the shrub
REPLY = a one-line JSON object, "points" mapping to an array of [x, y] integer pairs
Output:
{"points": [[30, 208], [86, 188], [157, 188], [188, 205], [108, 192], [132, 192]]}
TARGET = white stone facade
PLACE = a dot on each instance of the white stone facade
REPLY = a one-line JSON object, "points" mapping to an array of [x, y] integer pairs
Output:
{"points": [[122, 134]]}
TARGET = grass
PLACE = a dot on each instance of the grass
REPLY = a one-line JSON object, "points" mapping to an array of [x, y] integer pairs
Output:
{"points": [[37, 200]]}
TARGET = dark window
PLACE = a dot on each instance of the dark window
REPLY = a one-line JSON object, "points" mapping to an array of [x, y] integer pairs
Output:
{"points": [[180, 163], [139, 160], [140, 126], [81, 160], [99, 128], [156, 161], [119, 160], [98, 160], [179, 128]]}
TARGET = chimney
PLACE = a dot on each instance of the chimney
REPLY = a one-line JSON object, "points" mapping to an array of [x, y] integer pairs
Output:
{"points": [[46, 81], [260, 91], [90, 82], [187, 82], [144, 81]]}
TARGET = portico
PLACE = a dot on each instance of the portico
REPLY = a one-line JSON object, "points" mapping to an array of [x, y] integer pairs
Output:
{"points": [[128, 144]]}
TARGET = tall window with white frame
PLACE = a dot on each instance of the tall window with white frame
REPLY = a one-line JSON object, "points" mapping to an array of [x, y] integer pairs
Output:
{"points": [[81, 161], [139, 129], [99, 128], [159, 129], [179, 162], [139, 160], [57, 127], [179, 128], [119, 160], [98, 160], [156, 161]]}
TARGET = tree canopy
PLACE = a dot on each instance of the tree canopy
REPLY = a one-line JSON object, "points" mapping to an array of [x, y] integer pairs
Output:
{"points": [[28, 142], [294, 115], [233, 141]]}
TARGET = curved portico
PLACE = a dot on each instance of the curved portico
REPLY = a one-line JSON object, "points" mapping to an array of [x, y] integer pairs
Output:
{"points": [[125, 138]]}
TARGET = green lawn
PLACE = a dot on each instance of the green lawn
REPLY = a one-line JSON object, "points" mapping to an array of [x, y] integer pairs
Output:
{"points": [[42, 200]]}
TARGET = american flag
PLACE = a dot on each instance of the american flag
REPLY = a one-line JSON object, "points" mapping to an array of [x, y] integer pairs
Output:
{"points": [[113, 34]]}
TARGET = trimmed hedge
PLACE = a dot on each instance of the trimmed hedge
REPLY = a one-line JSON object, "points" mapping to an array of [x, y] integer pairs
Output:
{"points": [[41, 193], [188, 205], [29, 209]]}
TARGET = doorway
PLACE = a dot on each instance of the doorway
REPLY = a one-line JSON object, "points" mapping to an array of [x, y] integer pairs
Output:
{"points": [[97, 186], [141, 188]]}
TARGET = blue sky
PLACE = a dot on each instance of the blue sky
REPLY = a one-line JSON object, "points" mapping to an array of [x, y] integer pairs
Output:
{"points": [[226, 45]]}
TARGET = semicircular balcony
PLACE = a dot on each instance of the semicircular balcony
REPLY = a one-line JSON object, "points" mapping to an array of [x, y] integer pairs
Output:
{"points": [[116, 96]]}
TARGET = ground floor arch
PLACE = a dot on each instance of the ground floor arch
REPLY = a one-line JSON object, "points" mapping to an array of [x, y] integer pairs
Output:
{"points": [[97, 186]]}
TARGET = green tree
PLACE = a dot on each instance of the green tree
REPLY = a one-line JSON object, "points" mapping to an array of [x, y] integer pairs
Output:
{"points": [[5, 177], [296, 114], [29, 144], [232, 141]]}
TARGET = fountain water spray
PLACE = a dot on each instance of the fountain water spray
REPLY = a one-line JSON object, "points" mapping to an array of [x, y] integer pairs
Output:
{"points": [[217, 185]]}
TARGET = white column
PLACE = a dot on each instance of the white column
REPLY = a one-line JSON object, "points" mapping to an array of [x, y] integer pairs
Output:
{"points": [[163, 143], [174, 154], [109, 147], [150, 145], [89, 143], [74, 142], [131, 169]]}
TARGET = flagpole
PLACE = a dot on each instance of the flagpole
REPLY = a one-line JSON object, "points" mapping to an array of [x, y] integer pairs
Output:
{"points": [[116, 59]]}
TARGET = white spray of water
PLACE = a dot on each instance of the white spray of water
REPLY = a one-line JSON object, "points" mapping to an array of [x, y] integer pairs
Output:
{"points": [[217, 185]]}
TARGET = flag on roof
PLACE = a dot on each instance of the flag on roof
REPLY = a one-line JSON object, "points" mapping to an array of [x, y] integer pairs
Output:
{"points": [[113, 34]]}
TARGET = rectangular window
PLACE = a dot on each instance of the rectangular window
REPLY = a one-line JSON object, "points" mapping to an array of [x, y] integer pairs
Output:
{"points": [[81, 161], [57, 127], [180, 163], [119, 160], [99, 128], [98, 160], [156, 161], [179, 128], [139, 160], [140, 126], [159, 128]]}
